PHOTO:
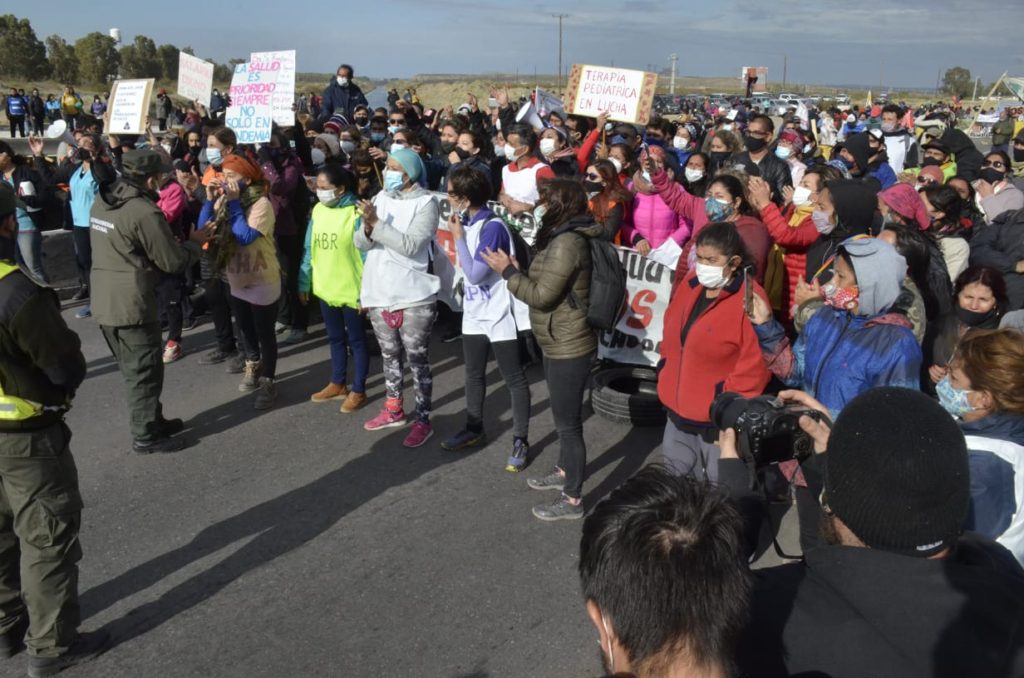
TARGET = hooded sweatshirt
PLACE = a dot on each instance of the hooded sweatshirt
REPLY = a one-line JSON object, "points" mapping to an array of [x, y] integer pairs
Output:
{"points": [[855, 204], [995, 447]]}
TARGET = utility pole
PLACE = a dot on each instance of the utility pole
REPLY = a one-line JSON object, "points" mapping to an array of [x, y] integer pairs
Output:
{"points": [[560, 17], [674, 59], [785, 68], [974, 97]]}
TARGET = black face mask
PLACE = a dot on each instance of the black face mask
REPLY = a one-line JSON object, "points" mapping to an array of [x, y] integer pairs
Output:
{"points": [[463, 154], [593, 186], [991, 175], [754, 144], [194, 149], [719, 157], [1018, 154], [447, 146], [975, 319], [930, 162], [362, 122]]}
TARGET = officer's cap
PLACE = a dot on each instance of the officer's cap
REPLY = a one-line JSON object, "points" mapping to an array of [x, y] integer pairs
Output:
{"points": [[144, 162]]}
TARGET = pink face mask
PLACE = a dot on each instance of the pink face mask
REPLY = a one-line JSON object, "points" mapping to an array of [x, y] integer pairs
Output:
{"points": [[842, 298]]}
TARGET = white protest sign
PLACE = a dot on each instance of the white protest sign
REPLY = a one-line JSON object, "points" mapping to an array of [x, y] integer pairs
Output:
{"points": [[251, 111], [195, 78], [636, 340], [129, 106], [623, 94], [278, 67]]}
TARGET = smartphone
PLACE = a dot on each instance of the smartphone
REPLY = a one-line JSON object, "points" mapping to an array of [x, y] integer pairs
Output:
{"points": [[492, 102], [748, 292]]}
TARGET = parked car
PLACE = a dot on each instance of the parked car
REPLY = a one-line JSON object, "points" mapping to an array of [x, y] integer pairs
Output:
{"points": [[788, 96]]}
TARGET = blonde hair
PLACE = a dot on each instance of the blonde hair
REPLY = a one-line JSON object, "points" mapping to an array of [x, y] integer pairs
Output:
{"points": [[994, 362]]}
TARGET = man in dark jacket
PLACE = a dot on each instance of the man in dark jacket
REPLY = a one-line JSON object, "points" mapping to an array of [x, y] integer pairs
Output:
{"points": [[41, 367], [897, 589], [37, 110], [131, 244], [342, 95], [759, 160], [1000, 245]]}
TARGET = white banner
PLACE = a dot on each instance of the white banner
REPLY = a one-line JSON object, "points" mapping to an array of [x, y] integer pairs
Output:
{"points": [[637, 338], [278, 67], [195, 78]]}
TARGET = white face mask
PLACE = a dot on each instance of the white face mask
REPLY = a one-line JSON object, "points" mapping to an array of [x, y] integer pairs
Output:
{"points": [[547, 146], [618, 165], [325, 196], [510, 153], [166, 147], [680, 142], [693, 174], [341, 81], [801, 196], [711, 277]]}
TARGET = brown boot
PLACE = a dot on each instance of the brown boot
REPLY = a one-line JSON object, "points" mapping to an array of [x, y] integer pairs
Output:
{"points": [[330, 392], [353, 402]]}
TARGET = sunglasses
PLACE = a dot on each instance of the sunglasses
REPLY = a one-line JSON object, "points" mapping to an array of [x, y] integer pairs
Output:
{"points": [[593, 177], [397, 122]]}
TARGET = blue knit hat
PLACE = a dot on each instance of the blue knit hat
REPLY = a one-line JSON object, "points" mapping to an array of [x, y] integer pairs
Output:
{"points": [[410, 162]]}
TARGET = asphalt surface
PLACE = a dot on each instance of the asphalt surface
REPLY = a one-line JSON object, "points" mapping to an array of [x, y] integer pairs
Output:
{"points": [[294, 543]]}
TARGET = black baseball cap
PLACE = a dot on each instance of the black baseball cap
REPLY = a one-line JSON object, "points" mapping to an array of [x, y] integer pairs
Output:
{"points": [[144, 162]]}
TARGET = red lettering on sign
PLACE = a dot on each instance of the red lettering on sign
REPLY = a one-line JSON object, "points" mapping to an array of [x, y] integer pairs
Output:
{"points": [[641, 308]]}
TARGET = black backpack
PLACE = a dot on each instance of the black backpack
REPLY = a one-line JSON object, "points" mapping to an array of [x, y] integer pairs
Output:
{"points": [[608, 296]]}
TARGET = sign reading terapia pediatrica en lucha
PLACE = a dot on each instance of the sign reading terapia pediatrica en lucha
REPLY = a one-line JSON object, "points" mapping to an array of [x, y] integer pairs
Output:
{"points": [[625, 95]]}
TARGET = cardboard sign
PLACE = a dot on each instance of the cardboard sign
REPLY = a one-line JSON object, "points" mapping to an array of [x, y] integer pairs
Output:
{"points": [[624, 95], [195, 78], [129, 106], [278, 67], [636, 340], [251, 111]]}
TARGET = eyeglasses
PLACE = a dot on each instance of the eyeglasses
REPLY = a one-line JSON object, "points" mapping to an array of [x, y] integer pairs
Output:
{"points": [[998, 164]]}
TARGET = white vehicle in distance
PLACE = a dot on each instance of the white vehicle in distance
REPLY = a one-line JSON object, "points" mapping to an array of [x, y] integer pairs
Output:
{"points": [[787, 96]]}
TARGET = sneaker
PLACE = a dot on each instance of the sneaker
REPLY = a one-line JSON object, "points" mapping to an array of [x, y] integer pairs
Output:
{"points": [[86, 647], [552, 481], [520, 457], [82, 294], [251, 377], [391, 415], [216, 356], [266, 394], [280, 327], [172, 352], [420, 433], [189, 324], [165, 444], [236, 364], [464, 439], [295, 337], [451, 335], [13, 642], [84, 312], [559, 509], [353, 402], [330, 392]]}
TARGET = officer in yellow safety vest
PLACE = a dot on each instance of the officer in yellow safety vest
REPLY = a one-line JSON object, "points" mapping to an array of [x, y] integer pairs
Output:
{"points": [[41, 366]]}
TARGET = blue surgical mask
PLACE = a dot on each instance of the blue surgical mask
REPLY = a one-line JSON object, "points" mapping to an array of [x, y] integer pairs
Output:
{"points": [[393, 128], [783, 152], [953, 400], [213, 156], [377, 137], [717, 210], [393, 180]]}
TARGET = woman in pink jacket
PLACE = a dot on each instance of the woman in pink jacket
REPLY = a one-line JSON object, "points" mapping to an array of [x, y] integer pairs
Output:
{"points": [[654, 221]]}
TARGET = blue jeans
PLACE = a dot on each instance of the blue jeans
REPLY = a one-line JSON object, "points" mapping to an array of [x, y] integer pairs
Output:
{"points": [[30, 252], [344, 329]]}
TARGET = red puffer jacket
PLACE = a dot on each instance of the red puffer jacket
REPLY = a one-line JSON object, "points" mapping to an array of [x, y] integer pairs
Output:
{"points": [[794, 240]]}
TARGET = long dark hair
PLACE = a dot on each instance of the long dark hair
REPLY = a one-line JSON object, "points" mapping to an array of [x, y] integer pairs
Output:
{"points": [[736, 190], [16, 159], [983, 275], [723, 236], [564, 199], [913, 245], [945, 199], [613, 190]]}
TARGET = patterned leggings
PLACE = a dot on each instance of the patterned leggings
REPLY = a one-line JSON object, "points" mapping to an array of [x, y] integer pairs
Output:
{"points": [[414, 337]]}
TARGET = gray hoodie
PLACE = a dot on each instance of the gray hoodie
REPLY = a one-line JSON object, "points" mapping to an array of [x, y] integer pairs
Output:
{"points": [[880, 271]]}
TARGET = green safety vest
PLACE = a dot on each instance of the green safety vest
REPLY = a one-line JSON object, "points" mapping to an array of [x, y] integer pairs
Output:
{"points": [[13, 408], [337, 262]]}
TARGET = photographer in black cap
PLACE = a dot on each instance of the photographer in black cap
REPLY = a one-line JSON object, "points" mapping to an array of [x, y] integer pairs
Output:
{"points": [[898, 588]]}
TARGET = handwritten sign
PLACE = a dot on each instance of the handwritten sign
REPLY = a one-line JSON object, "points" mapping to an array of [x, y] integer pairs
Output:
{"points": [[251, 111], [281, 67], [623, 94], [129, 106], [195, 78], [636, 340]]}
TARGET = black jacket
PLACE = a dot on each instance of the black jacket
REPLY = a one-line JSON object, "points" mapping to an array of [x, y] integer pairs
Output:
{"points": [[849, 612], [341, 100], [1001, 245], [36, 106], [771, 169], [40, 357]]}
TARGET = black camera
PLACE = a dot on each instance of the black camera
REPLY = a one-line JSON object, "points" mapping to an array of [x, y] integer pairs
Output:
{"points": [[767, 429]]}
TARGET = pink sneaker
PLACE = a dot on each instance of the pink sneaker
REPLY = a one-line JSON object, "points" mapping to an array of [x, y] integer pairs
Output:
{"points": [[391, 415], [419, 434]]}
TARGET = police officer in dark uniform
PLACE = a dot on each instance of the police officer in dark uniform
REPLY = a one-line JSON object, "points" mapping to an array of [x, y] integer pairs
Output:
{"points": [[41, 366]]}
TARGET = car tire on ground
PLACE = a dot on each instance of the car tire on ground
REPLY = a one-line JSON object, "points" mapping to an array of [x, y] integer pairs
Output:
{"points": [[627, 395]]}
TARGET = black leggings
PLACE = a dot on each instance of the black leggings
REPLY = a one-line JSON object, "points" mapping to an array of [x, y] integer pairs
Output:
{"points": [[83, 252], [475, 348], [171, 296], [567, 383], [218, 300], [256, 327]]}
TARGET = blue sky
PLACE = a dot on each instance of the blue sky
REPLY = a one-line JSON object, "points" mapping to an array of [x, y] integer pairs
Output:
{"points": [[902, 43]]}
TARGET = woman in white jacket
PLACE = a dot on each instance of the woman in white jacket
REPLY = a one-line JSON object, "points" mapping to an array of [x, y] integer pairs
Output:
{"points": [[398, 289]]}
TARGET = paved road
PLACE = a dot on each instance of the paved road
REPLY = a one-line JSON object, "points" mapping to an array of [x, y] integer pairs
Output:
{"points": [[293, 543]]}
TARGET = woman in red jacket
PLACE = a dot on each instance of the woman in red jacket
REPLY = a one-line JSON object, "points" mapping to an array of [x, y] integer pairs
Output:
{"points": [[792, 231], [709, 346]]}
